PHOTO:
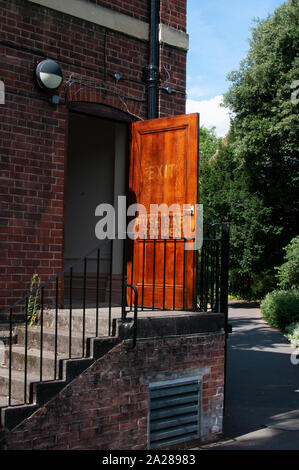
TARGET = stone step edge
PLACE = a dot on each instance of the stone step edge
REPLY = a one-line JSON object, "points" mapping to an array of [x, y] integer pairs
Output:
{"points": [[42, 392]]}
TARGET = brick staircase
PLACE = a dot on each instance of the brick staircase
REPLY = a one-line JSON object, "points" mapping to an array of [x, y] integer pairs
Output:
{"points": [[35, 381]]}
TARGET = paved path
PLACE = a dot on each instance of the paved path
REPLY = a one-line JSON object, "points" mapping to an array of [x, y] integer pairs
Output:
{"points": [[262, 401]]}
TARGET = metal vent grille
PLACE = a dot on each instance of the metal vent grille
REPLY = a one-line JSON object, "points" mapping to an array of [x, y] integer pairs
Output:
{"points": [[174, 412]]}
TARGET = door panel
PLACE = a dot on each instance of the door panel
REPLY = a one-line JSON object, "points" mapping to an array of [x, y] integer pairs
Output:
{"points": [[163, 170]]}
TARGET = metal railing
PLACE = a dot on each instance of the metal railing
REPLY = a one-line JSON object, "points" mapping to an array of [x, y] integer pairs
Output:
{"points": [[60, 302], [86, 289], [209, 272], [169, 259], [210, 267]]}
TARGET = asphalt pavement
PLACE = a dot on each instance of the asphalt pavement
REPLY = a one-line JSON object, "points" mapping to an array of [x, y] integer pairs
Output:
{"points": [[262, 391]]}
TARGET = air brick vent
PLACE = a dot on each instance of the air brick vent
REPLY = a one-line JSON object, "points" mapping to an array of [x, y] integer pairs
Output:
{"points": [[174, 412]]}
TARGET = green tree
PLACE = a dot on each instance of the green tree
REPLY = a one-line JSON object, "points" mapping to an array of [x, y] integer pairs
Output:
{"points": [[208, 147], [252, 181], [266, 120], [208, 143], [225, 197], [288, 272]]}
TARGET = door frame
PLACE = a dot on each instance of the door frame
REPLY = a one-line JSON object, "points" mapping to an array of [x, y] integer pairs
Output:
{"points": [[100, 111]]}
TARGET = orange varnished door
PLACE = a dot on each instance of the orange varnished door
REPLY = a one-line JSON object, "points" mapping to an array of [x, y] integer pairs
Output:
{"points": [[163, 170]]}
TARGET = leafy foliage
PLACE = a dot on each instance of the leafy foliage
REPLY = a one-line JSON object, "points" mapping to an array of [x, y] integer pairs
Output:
{"points": [[280, 308], [252, 179], [292, 333], [288, 272], [34, 300]]}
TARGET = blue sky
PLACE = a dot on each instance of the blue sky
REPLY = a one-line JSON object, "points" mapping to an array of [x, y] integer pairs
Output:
{"points": [[219, 33]]}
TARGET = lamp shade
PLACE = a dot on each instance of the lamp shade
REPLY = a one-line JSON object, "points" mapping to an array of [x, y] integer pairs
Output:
{"points": [[48, 75]]}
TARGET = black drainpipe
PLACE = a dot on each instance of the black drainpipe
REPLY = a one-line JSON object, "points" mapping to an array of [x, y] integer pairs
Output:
{"points": [[153, 66]]}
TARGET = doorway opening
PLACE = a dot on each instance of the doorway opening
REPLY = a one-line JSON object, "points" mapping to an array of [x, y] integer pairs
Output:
{"points": [[96, 173]]}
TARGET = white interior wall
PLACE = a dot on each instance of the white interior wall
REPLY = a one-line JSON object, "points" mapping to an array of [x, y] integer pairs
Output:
{"points": [[120, 141], [96, 165]]}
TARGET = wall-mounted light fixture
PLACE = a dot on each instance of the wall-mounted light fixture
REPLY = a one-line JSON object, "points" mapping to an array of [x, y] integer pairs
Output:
{"points": [[49, 77]]}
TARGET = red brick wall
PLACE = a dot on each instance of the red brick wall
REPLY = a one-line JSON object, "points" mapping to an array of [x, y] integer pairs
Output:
{"points": [[33, 132], [173, 75], [138, 9], [173, 13], [106, 407]]}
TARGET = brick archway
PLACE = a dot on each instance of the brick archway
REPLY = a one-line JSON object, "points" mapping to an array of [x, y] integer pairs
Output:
{"points": [[106, 101], [100, 110]]}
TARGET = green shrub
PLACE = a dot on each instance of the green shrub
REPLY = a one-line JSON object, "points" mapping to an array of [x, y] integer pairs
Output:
{"points": [[246, 288], [292, 333], [288, 272], [280, 308]]}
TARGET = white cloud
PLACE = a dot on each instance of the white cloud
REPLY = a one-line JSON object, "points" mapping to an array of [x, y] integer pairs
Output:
{"points": [[198, 92], [211, 114]]}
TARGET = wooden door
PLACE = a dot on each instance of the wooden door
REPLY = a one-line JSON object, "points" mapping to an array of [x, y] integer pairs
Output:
{"points": [[164, 170]]}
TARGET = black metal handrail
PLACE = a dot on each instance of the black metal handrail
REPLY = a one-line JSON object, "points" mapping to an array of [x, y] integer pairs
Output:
{"points": [[135, 325], [58, 275], [210, 271], [105, 242], [54, 299], [209, 292]]}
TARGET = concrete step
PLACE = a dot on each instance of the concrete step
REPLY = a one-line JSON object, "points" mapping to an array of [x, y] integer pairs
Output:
{"points": [[5, 335], [33, 361], [11, 416], [37, 392], [63, 319], [17, 384], [4, 401], [40, 391], [34, 340]]}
